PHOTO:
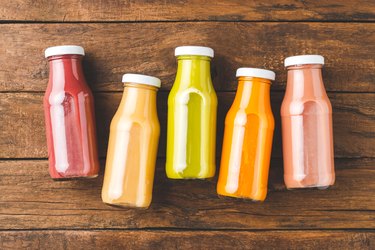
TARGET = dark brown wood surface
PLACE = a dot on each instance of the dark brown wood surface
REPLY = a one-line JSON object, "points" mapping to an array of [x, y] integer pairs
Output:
{"points": [[164, 239], [196, 10], [31, 200], [116, 48], [140, 36], [353, 120]]}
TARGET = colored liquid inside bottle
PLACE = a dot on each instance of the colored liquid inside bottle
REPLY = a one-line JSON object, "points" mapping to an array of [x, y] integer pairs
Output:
{"points": [[306, 116], [70, 120], [192, 107], [247, 144], [132, 149]]}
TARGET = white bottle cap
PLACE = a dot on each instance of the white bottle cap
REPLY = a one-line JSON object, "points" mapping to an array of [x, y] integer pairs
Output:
{"points": [[254, 72], [193, 51], [303, 59], [64, 50], [141, 79]]}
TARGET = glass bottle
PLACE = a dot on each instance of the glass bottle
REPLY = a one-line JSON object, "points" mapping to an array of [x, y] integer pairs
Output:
{"points": [[192, 107], [306, 116], [69, 116], [248, 134], [133, 143]]}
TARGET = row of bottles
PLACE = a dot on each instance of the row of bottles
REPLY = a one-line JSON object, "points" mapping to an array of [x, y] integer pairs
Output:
{"points": [[191, 129]]}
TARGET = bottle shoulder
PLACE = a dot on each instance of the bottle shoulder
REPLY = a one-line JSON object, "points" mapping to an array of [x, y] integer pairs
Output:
{"points": [[126, 121], [125, 113], [243, 114], [61, 96], [72, 85], [204, 85], [184, 95], [303, 106], [256, 108]]}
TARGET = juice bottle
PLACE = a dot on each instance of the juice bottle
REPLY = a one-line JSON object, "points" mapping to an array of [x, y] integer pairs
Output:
{"points": [[192, 107], [248, 134], [306, 116], [69, 116], [133, 143]]}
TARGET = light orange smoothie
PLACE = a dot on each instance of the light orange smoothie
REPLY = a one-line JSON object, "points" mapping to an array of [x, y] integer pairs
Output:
{"points": [[133, 143]]}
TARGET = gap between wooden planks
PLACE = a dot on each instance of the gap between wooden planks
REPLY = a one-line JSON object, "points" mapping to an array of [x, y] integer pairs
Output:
{"points": [[227, 10], [22, 132], [116, 48], [31, 200], [165, 239]]}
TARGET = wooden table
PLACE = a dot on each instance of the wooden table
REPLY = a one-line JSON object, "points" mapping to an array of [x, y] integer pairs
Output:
{"points": [[140, 36]]}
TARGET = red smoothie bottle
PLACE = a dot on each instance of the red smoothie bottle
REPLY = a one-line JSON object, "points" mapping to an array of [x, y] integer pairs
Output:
{"points": [[69, 116]]}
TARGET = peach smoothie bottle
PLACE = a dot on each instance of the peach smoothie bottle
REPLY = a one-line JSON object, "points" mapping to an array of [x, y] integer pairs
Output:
{"points": [[133, 143], [306, 116], [248, 135]]}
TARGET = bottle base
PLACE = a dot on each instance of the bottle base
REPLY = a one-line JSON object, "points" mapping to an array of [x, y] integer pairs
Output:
{"points": [[71, 178], [309, 182], [189, 178], [310, 187], [189, 174], [125, 205], [181, 176], [243, 198]]}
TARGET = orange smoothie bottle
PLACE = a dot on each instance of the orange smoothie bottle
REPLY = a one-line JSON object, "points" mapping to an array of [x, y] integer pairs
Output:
{"points": [[133, 144], [248, 135]]}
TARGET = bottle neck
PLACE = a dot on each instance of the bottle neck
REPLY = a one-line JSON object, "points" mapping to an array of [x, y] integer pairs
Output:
{"points": [[139, 98], [66, 70], [193, 71], [305, 81], [253, 93]]}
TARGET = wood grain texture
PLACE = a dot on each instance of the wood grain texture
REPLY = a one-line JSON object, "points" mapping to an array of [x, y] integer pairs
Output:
{"points": [[122, 36], [31, 200], [226, 10], [22, 132], [118, 48], [165, 239]]}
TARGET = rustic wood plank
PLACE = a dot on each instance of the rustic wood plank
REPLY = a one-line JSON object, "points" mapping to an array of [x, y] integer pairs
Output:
{"points": [[227, 10], [31, 200], [114, 49], [22, 132], [187, 240]]}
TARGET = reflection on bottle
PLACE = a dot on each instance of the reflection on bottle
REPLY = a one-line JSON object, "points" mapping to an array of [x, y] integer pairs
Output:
{"points": [[188, 131], [235, 157]]}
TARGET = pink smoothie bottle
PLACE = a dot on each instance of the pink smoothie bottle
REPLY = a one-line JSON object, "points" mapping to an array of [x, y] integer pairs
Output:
{"points": [[306, 116]]}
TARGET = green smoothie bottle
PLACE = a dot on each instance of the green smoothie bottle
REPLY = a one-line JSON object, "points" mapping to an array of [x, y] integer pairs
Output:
{"points": [[192, 107]]}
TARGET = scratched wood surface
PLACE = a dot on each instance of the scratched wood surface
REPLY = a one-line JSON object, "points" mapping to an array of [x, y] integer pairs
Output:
{"points": [[187, 10], [353, 121], [115, 48], [31, 200], [139, 36], [164, 239]]}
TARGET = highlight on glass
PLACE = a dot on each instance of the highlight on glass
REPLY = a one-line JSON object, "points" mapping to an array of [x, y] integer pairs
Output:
{"points": [[133, 144], [306, 116], [192, 107], [248, 135], [69, 116]]}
